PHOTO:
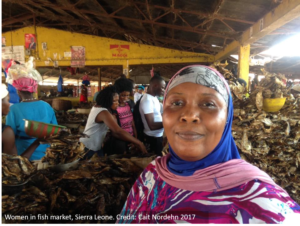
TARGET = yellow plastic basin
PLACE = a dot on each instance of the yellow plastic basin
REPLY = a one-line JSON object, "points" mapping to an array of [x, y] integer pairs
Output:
{"points": [[274, 104]]}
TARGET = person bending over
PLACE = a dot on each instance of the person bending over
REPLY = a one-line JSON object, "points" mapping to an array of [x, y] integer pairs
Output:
{"points": [[101, 120]]}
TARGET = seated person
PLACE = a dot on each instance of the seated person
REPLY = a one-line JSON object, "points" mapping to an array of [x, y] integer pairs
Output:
{"points": [[8, 135]]}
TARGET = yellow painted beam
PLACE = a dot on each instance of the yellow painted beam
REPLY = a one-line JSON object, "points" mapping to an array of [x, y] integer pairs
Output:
{"points": [[126, 68], [243, 67], [287, 11], [100, 51]]}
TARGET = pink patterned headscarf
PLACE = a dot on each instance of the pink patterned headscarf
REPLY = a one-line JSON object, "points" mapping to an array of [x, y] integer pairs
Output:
{"points": [[25, 84]]}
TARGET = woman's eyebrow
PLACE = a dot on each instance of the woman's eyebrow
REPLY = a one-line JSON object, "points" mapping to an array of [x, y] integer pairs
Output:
{"points": [[176, 94], [204, 94], [208, 94]]}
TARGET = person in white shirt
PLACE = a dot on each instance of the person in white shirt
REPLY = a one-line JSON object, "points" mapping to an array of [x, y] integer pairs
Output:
{"points": [[150, 111], [101, 120], [138, 94]]}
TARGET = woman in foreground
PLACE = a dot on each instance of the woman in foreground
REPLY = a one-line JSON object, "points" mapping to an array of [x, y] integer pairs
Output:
{"points": [[203, 179]]}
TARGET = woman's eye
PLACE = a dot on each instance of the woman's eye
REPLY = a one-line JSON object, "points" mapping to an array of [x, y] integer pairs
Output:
{"points": [[177, 103], [209, 104]]}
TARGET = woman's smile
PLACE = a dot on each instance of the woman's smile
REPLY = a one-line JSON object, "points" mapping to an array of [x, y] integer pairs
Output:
{"points": [[189, 135]]}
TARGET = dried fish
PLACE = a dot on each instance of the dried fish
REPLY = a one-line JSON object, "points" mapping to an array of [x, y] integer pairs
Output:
{"points": [[259, 101], [15, 169], [64, 148], [97, 186], [288, 129]]}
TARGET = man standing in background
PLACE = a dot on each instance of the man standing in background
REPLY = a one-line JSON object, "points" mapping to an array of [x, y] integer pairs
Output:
{"points": [[150, 111], [139, 93]]}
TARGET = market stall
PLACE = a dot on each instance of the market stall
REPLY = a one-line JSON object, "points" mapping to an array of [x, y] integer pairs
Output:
{"points": [[63, 188]]}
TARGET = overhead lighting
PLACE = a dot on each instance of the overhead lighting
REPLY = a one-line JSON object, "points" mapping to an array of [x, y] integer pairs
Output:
{"points": [[289, 47]]}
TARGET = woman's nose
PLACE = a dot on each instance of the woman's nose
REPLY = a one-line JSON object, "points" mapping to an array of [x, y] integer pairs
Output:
{"points": [[190, 115]]}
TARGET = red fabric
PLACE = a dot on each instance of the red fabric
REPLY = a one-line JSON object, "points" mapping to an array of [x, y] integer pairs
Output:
{"points": [[152, 72], [83, 95], [8, 66], [86, 77], [83, 98], [25, 84]]}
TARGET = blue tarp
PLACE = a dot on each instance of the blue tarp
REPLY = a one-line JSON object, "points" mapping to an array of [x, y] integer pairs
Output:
{"points": [[60, 84]]}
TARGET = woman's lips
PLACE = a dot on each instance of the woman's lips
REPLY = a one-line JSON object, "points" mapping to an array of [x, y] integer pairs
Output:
{"points": [[189, 135]]}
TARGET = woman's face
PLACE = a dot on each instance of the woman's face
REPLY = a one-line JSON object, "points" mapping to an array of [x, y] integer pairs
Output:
{"points": [[124, 97], [5, 105], [115, 103], [194, 119]]}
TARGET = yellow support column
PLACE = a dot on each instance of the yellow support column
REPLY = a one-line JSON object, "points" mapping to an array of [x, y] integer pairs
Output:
{"points": [[126, 68], [244, 63]]}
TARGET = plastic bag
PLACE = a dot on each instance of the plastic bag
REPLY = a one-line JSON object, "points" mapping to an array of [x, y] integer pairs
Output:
{"points": [[17, 71]]}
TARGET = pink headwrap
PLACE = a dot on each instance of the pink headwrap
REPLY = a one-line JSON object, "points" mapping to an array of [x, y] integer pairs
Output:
{"points": [[25, 84]]}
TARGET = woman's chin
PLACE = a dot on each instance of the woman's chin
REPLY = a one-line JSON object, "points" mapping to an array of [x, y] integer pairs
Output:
{"points": [[191, 156]]}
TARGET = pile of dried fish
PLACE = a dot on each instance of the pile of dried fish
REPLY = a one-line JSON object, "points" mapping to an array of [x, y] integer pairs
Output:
{"points": [[87, 105], [271, 141], [64, 148], [15, 169], [98, 187], [225, 72], [65, 117], [235, 87], [272, 85]]}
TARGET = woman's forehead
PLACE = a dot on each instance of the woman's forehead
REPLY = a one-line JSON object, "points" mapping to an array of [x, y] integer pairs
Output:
{"points": [[190, 88]]}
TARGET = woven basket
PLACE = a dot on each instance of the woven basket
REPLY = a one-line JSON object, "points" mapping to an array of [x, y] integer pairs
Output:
{"points": [[61, 105], [49, 101]]}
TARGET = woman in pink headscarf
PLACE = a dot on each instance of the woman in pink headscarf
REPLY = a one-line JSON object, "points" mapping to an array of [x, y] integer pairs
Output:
{"points": [[31, 109]]}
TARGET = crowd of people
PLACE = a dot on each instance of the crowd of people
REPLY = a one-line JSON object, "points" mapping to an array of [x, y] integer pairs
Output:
{"points": [[120, 134], [110, 125]]}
